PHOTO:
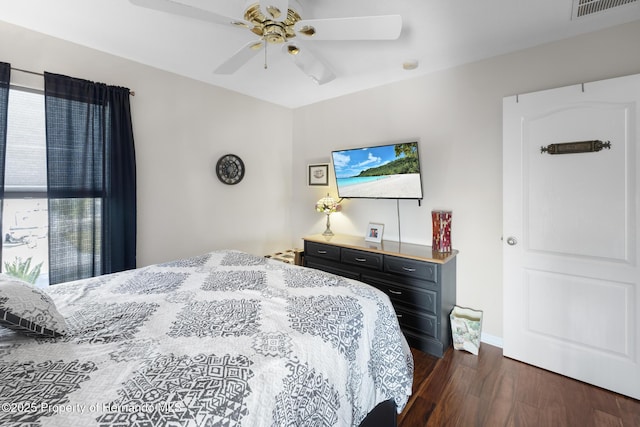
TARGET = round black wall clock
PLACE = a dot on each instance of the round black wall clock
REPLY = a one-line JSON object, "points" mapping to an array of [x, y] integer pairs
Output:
{"points": [[230, 169]]}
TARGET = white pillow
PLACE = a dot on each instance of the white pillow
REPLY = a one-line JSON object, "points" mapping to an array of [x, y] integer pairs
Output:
{"points": [[27, 309]]}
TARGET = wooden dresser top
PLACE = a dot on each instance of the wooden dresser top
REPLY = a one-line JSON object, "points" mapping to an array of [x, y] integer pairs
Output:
{"points": [[387, 247]]}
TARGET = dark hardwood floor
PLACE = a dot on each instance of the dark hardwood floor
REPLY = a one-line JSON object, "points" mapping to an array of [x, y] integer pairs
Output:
{"points": [[491, 390]]}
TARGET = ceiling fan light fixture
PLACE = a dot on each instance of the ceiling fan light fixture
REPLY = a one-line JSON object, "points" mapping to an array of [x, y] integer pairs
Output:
{"points": [[271, 30], [410, 64], [293, 49], [274, 33], [274, 12], [307, 30]]}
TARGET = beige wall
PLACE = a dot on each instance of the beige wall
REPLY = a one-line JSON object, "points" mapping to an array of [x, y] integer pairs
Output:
{"points": [[181, 128], [457, 116]]}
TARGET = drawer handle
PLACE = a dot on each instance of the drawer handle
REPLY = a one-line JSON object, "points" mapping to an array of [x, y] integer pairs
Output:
{"points": [[322, 252], [399, 316], [361, 259], [410, 270], [395, 292]]}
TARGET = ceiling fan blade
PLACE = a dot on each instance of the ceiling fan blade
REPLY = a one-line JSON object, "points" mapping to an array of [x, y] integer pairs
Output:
{"points": [[275, 9], [177, 8], [241, 57], [385, 27], [309, 63]]}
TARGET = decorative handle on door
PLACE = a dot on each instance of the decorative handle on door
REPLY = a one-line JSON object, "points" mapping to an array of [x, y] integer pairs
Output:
{"points": [[576, 147], [512, 241], [395, 292]]}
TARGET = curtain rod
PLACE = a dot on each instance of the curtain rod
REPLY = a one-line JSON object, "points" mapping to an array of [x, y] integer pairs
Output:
{"points": [[132, 93]]}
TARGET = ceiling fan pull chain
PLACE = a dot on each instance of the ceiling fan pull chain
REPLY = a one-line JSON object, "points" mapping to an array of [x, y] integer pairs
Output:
{"points": [[265, 54]]}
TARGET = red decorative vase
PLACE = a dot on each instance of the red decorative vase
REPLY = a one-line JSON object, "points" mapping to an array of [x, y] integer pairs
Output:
{"points": [[441, 226]]}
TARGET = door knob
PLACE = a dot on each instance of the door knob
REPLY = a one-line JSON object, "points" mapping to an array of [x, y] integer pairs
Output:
{"points": [[512, 241]]}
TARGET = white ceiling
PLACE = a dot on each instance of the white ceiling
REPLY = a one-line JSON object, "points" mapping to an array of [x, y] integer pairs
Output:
{"points": [[438, 33]]}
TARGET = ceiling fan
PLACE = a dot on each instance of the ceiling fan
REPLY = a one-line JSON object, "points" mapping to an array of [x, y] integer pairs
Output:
{"points": [[278, 22]]}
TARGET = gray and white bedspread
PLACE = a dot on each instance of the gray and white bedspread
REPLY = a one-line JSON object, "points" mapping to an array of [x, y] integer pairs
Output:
{"points": [[222, 339]]}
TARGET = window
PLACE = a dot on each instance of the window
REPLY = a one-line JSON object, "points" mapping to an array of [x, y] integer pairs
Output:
{"points": [[25, 244], [70, 181]]}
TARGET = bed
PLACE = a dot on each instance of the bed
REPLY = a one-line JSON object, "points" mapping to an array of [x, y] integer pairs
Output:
{"points": [[222, 339]]}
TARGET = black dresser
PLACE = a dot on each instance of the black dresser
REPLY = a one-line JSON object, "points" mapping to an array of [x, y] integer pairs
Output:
{"points": [[421, 283]]}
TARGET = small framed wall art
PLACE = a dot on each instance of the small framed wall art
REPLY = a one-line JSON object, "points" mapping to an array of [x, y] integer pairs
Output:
{"points": [[319, 174], [374, 232]]}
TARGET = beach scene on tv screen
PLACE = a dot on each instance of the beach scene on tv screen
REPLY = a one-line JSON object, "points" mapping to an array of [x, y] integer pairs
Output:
{"points": [[387, 171]]}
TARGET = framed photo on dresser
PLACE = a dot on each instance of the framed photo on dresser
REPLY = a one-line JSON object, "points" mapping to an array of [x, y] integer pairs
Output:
{"points": [[374, 232]]}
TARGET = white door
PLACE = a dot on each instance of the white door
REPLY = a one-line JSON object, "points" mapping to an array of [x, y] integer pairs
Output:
{"points": [[571, 233]]}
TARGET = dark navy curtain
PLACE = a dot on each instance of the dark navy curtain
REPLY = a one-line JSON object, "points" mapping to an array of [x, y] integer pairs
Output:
{"points": [[5, 74], [91, 176]]}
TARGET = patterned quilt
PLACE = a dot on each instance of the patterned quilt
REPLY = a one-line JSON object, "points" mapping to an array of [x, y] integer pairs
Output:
{"points": [[222, 339]]}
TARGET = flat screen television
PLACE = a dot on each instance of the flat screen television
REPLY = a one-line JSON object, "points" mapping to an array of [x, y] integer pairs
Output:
{"points": [[389, 171]]}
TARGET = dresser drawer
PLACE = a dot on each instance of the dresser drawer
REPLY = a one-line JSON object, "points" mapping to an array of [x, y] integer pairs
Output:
{"points": [[411, 268], [322, 251], [425, 324], [424, 300], [362, 259]]}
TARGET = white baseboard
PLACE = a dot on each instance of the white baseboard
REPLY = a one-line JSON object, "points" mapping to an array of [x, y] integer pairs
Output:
{"points": [[491, 340]]}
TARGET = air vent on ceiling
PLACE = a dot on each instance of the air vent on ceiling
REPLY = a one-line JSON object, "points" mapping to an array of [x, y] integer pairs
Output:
{"points": [[589, 7]]}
